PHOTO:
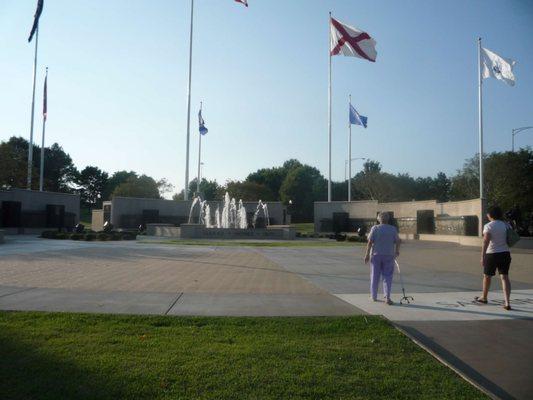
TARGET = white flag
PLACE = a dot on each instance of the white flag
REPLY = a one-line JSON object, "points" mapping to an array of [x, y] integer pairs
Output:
{"points": [[497, 67], [350, 41]]}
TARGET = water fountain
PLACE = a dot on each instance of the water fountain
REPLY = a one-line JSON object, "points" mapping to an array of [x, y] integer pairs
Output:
{"points": [[231, 221]]}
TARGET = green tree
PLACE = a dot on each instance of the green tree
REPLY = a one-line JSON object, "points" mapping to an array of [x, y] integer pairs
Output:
{"points": [[247, 191], [297, 188], [138, 186], [59, 172], [92, 182], [116, 180], [209, 190]]}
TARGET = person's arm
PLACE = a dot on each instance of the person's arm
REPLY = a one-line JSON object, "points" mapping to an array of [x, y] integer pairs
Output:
{"points": [[368, 249], [398, 243], [486, 241], [369, 245]]}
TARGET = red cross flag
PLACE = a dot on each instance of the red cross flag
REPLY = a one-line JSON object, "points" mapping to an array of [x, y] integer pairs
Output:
{"points": [[351, 42]]}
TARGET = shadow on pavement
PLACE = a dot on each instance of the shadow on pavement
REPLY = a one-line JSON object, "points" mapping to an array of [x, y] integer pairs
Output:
{"points": [[458, 364]]}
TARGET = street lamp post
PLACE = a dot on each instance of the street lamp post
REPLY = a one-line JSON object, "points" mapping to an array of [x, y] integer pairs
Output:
{"points": [[346, 162], [516, 131]]}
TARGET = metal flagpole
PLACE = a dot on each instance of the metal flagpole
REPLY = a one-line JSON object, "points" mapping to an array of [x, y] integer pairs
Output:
{"points": [[480, 99], [329, 114], [186, 194], [41, 172], [350, 154], [30, 144], [199, 158]]}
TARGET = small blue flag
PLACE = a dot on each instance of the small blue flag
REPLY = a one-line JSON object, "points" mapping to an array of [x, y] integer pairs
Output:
{"points": [[201, 122], [357, 119]]}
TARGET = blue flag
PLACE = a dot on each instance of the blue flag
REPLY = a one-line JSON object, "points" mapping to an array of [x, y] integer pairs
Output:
{"points": [[201, 122], [357, 119]]}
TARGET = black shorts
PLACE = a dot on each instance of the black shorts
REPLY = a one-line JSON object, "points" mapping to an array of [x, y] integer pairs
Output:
{"points": [[499, 261]]}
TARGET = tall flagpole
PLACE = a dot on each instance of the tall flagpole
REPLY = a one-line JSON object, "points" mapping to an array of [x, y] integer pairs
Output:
{"points": [[329, 113], [41, 172], [30, 144], [480, 99], [186, 194], [199, 158], [350, 154]]}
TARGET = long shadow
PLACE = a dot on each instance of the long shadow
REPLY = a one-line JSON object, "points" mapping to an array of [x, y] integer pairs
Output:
{"points": [[450, 309], [27, 372], [458, 364]]}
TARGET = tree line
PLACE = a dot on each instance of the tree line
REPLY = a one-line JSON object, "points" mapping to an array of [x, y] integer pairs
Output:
{"points": [[508, 181]]}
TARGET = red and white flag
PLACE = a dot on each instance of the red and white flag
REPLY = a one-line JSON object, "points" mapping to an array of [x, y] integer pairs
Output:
{"points": [[351, 42], [245, 2]]}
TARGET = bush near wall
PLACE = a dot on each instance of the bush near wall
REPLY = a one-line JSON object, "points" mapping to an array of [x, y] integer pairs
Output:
{"points": [[90, 235]]}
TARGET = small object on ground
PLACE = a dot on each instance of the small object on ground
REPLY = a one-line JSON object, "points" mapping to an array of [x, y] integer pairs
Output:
{"points": [[405, 298], [108, 226], [79, 228], [478, 299]]}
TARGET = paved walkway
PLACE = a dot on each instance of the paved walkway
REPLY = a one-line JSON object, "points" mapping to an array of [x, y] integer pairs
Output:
{"points": [[129, 277], [489, 346]]}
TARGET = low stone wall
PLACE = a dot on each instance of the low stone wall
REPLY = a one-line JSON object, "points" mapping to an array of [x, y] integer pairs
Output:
{"points": [[464, 226], [327, 214], [163, 230], [195, 231]]}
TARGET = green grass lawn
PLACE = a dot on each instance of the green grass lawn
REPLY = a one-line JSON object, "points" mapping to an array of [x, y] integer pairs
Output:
{"points": [[83, 356], [86, 217], [306, 227]]}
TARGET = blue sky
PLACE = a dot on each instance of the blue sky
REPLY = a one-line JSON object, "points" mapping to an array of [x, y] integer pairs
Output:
{"points": [[118, 82]]}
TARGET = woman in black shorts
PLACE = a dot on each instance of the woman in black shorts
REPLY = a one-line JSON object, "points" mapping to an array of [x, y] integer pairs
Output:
{"points": [[495, 255]]}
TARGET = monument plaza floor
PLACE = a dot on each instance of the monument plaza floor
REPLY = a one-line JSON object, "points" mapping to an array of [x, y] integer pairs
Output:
{"points": [[489, 346]]}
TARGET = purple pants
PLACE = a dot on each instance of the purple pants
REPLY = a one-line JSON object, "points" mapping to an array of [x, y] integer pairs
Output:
{"points": [[382, 268]]}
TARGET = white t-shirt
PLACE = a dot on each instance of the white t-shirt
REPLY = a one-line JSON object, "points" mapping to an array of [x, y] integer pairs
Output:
{"points": [[498, 236]]}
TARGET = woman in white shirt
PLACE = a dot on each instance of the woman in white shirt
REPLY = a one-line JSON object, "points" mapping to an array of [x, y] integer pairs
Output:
{"points": [[495, 255]]}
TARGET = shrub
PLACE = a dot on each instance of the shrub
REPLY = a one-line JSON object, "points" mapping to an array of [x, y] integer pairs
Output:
{"points": [[102, 236], [340, 238], [49, 234], [128, 236], [90, 236], [76, 236]]}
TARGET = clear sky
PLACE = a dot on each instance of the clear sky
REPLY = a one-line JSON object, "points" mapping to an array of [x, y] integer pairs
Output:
{"points": [[118, 82]]}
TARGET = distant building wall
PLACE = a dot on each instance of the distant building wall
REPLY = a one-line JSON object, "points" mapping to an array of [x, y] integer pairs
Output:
{"points": [[31, 208], [364, 210], [32, 200]]}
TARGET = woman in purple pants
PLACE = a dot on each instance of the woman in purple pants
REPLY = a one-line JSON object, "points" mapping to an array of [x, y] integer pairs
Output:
{"points": [[384, 243]]}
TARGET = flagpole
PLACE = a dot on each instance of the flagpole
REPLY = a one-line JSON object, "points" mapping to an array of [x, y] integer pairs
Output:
{"points": [[329, 115], [199, 158], [480, 100], [186, 194], [350, 155], [41, 172], [30, 144]]}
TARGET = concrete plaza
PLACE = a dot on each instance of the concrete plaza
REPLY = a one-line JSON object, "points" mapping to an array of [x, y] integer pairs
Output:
{"points": [[489, 346]]}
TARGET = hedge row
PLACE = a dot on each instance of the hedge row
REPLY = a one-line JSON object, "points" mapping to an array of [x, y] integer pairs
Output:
{"points": [[89, 236], [339, 238]]}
